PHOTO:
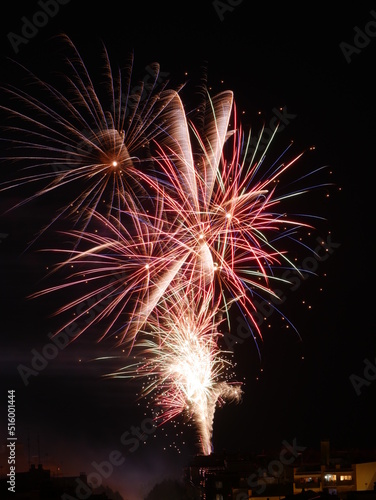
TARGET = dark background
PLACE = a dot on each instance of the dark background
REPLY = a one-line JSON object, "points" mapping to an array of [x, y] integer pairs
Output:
{"points": [[271, 57]]}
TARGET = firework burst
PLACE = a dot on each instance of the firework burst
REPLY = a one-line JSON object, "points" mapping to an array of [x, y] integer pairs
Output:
{"points": [[87, 141], [222, 210], [185, 371], [174, 221]]}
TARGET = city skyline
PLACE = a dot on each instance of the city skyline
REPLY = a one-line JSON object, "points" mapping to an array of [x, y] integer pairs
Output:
{"points": [[315, 77]]}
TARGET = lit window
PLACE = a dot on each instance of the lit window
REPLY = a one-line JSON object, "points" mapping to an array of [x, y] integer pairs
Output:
{"points": [[329, 478], [347, 477]]}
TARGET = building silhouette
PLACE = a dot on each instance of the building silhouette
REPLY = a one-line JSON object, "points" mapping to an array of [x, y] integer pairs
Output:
{"points": [[38, 484], [285, 474]]}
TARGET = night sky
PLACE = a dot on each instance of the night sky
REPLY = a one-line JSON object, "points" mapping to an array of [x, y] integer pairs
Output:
{"points": [[318, 66]]}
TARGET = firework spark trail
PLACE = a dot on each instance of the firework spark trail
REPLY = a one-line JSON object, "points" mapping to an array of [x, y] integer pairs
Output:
{"points": [[191, 224], [221, 215], [88, 139], [206, 230], [126, 271], [186, 372]]}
